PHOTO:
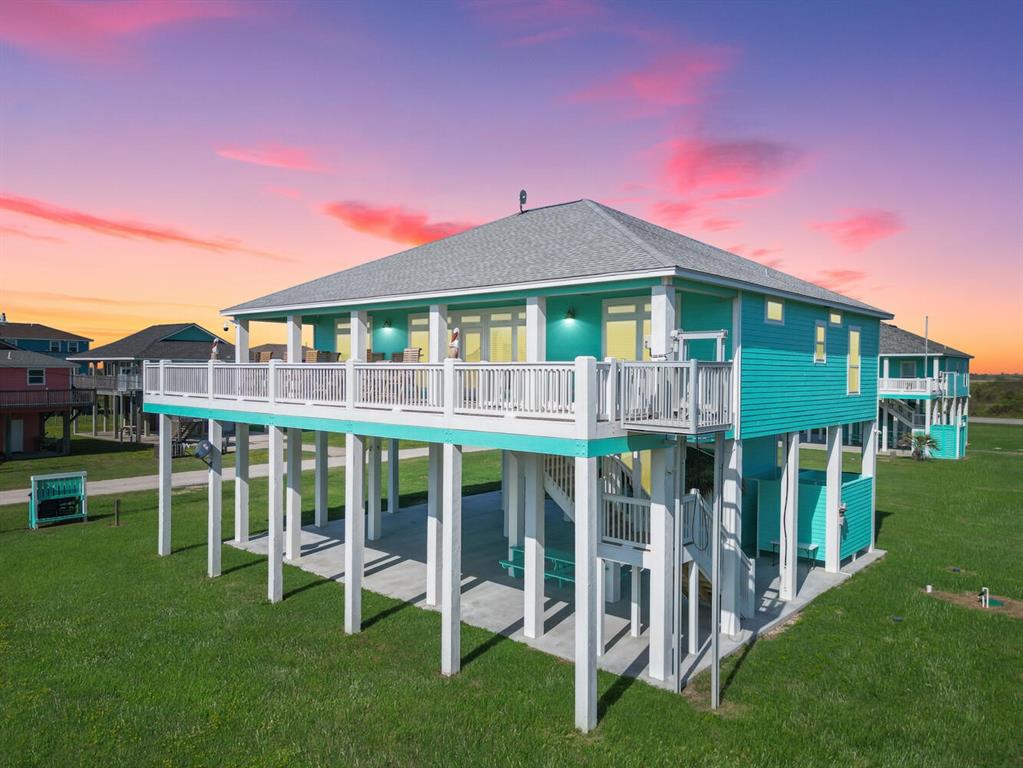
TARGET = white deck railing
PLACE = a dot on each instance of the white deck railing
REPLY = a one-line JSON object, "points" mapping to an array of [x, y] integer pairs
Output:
{"points": [[643, 396], [110, 382], [907, 386]]}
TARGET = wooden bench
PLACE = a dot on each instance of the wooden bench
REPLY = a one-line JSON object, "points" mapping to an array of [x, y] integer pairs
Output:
{"points": [[558, 565], [803, 549]]}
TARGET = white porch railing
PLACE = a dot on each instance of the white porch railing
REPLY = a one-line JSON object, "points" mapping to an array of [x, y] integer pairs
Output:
{"points": [[907, 386], [685, 397], [111, 382], [626, 521], [659, 396]]}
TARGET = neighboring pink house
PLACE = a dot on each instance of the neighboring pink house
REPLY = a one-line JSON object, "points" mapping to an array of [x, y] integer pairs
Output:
{"points": [[33, 388]]}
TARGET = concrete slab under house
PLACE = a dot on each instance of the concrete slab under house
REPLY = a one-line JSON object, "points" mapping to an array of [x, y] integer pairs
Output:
{"points": [[648, 393]]}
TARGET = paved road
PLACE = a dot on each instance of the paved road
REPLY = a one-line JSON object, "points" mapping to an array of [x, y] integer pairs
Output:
{"points": [[335, 458], [993, 420]]}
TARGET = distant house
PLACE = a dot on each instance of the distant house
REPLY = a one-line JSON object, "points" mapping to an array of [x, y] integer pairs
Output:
{"points": [[44, 339], [114, 371], [33, 387]]}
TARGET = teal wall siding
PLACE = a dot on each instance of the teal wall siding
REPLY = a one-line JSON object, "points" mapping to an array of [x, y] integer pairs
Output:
{"points": [[783, 390], [956, 364], [857, 495], [759, 461], [393, 339], [701, 312], [570, 338], [945, 436], [324, 333], [192, 333]]}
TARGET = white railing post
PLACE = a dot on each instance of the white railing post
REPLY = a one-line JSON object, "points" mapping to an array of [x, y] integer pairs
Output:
{"points": [[161, 383], [271, 381], [585, 397], [449, 387], [694, 400], [209, 381], [351, 385]]}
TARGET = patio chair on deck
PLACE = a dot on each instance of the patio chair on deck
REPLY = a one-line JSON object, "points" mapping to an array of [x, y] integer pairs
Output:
{"points": [[412, 355]]}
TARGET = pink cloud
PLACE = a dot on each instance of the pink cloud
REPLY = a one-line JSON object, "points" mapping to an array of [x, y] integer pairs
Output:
{"points": [[538, 22], [672, 213], [717, 224], [679, 79], [760, 255], [838, 279], [132, 230], [392, 222], [95, 29], [17, 232], [274, 156], [860, 228], [728, 169]]}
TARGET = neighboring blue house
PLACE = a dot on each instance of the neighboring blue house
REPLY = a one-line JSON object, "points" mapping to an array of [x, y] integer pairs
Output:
{"points": [[600, 353], [36, 337]]}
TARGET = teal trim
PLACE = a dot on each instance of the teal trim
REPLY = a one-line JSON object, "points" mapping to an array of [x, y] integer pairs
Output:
{"points": [[560, 446], [191, 333], [907, 396], [691, 286]]}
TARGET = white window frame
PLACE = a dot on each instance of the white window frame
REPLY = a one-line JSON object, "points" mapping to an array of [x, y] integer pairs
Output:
{"points": [[72, 347], [848, 361], [902, 369], [28, 377], [821, 325], [767, 305], [832, 314], [54, 345], [517, 323], [640, 314]]}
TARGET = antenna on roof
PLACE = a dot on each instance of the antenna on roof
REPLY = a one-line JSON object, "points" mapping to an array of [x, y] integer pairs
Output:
{"points": [[522, 200]]}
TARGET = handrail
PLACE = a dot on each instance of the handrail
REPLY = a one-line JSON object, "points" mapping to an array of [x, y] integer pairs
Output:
{"points": [[37, 397]]}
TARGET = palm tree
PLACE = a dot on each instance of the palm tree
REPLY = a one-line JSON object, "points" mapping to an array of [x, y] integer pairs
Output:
{"points": [[920, 445]]}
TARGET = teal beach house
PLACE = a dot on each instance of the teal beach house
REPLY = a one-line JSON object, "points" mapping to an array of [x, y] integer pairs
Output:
{"points": [[638, 384], [924, 388]]}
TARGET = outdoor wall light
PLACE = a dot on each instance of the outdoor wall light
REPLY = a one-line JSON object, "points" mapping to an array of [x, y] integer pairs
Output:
{"points": [[570, 314], [387, 323]]}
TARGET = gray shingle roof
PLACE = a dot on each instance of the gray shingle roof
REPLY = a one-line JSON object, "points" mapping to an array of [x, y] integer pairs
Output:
{"points": [[24, 358], [150, 344], [9, 330], [558, 242], [897, 341]]}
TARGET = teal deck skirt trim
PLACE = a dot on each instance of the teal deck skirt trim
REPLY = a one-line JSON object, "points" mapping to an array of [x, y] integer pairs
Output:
{"points": [[561, 446]]}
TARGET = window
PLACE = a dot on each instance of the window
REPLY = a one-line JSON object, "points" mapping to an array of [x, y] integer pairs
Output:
{"points": [[36, 377], [835, 317], [344, 339], [419, 335], [55, 346], [72, 346], [774, 311], [820, 332], [854, 361], [495, 335], [627, 329], [907, 369]]}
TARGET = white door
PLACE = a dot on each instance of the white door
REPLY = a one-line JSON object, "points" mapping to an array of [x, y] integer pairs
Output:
{"points": [[17, 436]]}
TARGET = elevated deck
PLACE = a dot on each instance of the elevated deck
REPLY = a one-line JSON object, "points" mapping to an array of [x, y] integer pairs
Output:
{"points": [[943, 385], [546, 407]]}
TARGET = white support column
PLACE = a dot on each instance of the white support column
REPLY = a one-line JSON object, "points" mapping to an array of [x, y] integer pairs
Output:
{"points": [[163, 546], [320, 478], [293, 329], [833, 501], [662, 546], [693, 599], [504, 490], [534, 546], [293, 537], [434, 524], [613, 582], [516, 505], [884, 428], [536, 329], [241, 483], [731, 528], [601, 587], [789, 523], [438, 343], [662, 318], [636, 600], [355, 529], [214, 496], [868, 468], [373, 516], [451, 569], [275, 525], [587, 493], [393, 460]]}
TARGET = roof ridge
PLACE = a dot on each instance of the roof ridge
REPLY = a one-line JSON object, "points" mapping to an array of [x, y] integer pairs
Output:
{"points": [[602, 210]]}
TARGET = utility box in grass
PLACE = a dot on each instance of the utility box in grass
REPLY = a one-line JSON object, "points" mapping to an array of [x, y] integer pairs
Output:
{"points": [[56, 498]]}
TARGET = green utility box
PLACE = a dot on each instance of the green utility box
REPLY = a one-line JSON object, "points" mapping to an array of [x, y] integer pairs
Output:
{"points": [[56, 498]]}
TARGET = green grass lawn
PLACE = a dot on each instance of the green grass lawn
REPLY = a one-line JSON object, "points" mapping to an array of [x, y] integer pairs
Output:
{"points": [[110, 655]]}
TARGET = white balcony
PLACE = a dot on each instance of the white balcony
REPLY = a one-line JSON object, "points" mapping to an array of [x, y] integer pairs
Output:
{"points": [[541, 399], [944, 385]]}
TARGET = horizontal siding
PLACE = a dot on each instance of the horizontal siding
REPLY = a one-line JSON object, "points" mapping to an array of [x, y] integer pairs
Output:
{"points": [[783, 390], [945, 436], [809, 527], [857, 495]]}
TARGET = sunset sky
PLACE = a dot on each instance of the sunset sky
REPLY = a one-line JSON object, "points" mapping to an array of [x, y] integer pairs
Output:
{"points": [[162, 160]]}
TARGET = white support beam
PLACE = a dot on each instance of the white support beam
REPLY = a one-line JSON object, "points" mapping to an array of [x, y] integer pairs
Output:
{"points": [[731, 528], [833, 501], [393, 464], [434, 524], [504, 490], [613, 582], [693, 600], [438, 336], [275, 513], [215, 486], [516, 502], [359, 335], [451, 569], [241, 483], [587, 494], [355, 530], [663, 316], [789, 523], [293, 331], [374, 518], [601, 587], [534, 546], [163, 546], [636, 600], [320, 479], [536, 329], [293, 537], [662, 547], [869, 469]]}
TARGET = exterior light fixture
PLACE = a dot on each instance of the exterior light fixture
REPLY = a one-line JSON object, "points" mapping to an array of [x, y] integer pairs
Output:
{"points": [[387, 323], [570, 314]]}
